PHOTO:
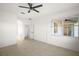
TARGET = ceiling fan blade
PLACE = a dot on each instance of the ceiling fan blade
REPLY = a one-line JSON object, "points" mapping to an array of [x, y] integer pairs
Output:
{"points": [[36, 10], [23, 7], [30, 4], [29, 11], [38, 6]]}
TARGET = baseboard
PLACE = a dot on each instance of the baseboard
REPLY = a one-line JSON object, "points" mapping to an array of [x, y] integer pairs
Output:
{"points": [[2, 46]]}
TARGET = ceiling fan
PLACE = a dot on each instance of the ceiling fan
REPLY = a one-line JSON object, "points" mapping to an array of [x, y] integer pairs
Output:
{"points": [[31, 7]]}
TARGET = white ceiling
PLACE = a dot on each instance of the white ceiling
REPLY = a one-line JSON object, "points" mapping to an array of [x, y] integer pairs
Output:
{"points": [[47, 8]]}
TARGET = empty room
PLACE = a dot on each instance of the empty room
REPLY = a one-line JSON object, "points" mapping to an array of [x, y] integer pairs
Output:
{"points": [[39, 29]]}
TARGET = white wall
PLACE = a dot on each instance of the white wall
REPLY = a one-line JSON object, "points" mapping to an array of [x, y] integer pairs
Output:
{"points": [[42, 31], [21, 32], [8, 28]]}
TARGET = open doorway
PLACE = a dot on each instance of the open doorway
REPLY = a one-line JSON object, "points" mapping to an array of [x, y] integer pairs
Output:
{"points": [[25, 31], [29, 31]]}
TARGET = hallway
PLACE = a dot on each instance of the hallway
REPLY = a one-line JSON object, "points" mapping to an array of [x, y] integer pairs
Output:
{"points": [[35, 48]]}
